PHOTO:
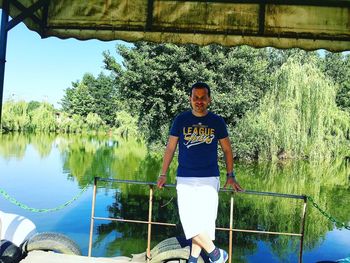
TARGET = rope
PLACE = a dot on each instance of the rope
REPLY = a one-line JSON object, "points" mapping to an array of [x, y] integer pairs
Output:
{"points": [[325, 214], [41, 210]]}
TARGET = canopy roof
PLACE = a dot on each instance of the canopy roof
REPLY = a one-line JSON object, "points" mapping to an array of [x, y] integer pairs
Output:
{"points": [[307, 24]]}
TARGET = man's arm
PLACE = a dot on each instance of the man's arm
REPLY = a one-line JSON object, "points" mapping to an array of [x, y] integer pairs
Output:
{"points": [[168, 157], [226, 148]]}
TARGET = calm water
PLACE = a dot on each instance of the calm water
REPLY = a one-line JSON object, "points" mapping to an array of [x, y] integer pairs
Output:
{"points": [[45, 171]]}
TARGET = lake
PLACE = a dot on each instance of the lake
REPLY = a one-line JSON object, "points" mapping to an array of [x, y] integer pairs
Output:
{"points": [[47, 170]]}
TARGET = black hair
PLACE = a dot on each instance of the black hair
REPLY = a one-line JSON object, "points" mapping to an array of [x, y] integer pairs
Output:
{"points": [[200, 85]]}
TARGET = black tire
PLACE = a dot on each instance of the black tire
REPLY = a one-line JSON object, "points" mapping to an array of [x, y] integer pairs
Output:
{"points": [[55, 242], [9, 252]]}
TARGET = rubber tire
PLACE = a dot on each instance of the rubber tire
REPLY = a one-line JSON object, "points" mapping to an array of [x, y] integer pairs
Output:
{"points": [[9, 252], [55, 242], [170, 249]]}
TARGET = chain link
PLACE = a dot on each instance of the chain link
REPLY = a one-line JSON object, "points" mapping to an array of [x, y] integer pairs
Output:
{"points": [[41, 210], [325, 214]]}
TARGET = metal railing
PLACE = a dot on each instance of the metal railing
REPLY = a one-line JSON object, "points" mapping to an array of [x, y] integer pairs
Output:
{"points": [[230, 229]]}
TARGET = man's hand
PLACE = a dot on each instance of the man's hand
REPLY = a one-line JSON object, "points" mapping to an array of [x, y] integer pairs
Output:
{"points": [[161, 181], [231, 181]]}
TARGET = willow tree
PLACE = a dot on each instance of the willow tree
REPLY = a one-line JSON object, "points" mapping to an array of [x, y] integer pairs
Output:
{"points": [[15, 116], [297, 119], [43, 118]]}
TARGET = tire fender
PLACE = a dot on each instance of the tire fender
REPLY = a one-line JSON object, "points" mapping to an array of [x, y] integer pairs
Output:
{"points": [[55, 242], [9, 252], [171, 249]]}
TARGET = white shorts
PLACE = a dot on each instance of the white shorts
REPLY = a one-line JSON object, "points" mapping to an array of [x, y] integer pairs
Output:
{"points": [[198, 200]]}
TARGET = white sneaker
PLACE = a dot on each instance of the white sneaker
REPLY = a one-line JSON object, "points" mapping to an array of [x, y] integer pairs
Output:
{"points": [[223, 257]]}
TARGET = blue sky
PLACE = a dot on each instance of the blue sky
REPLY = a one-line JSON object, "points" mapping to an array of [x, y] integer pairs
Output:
{"points": [[40, 69]]}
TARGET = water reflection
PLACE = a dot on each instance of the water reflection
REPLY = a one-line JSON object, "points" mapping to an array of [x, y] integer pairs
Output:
{"points": [[83, 157]]}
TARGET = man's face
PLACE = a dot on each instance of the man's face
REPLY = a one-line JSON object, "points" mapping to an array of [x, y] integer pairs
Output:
{"points": [[200, 101]]}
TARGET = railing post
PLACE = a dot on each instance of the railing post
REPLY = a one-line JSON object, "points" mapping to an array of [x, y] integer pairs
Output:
{"points": [[150, 204], [92, 215], [231, 230], [302, 230]]}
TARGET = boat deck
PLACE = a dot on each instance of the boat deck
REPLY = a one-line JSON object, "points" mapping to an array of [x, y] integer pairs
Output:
{"points": [[50, 257]]}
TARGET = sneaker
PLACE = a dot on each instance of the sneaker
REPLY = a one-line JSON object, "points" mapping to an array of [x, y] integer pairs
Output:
{"points": [[223, 257]]}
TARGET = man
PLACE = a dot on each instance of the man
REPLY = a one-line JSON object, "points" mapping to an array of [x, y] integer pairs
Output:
{"points": [[198, 132]]}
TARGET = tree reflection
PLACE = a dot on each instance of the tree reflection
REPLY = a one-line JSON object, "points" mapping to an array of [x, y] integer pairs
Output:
{"points": [[250, 211], [84, 157]]}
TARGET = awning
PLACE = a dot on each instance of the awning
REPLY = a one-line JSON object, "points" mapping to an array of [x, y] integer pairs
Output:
{"points": [[307, 24]]}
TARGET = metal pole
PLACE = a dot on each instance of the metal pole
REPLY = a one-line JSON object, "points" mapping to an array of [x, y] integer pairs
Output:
{"points": [[251, 192], [149, 223], [3, 44], [92, 216], [231, 231], [302, 230]]}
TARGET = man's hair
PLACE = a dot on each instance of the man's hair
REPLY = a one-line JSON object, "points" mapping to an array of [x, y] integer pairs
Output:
{"points": [[200, 85]]}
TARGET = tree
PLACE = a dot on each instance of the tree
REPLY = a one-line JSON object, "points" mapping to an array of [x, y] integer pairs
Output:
{"points": [[91, 95], [126, 125], [155, 78], [298, 118], [103, 90], [15, 116], [94, 121], [32, 105], [337, 67], [78, 100], [43, 118]]}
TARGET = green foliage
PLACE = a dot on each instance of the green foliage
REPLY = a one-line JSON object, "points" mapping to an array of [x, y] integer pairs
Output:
{"points": [[297, 119], [15, 117], [273, 110], [91, 95], [78, 124], [64, 122], [81, 101], [43, 118], [155, 79], [94, 121], [126, 125], [337, 66], [32, 105]]}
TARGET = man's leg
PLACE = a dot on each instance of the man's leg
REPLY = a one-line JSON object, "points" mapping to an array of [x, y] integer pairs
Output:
{"points": [[198, 242], [204, 241], [195, 249]]}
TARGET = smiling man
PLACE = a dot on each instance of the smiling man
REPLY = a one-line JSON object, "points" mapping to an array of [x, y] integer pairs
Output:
{"points": [[198, 133]]}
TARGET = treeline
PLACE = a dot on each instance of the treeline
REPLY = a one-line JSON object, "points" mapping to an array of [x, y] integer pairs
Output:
{"points": [[34, 116], [277, 104]]}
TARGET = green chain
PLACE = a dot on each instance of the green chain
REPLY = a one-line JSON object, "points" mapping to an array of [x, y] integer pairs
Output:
{"points": [[328, 216], [41, 210]]}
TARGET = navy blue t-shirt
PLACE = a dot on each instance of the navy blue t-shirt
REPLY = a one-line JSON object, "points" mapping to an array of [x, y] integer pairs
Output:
{"points": [[198, 143]]}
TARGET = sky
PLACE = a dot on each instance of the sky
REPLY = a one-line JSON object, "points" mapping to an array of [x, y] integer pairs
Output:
{"points": [[41, 69]]}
